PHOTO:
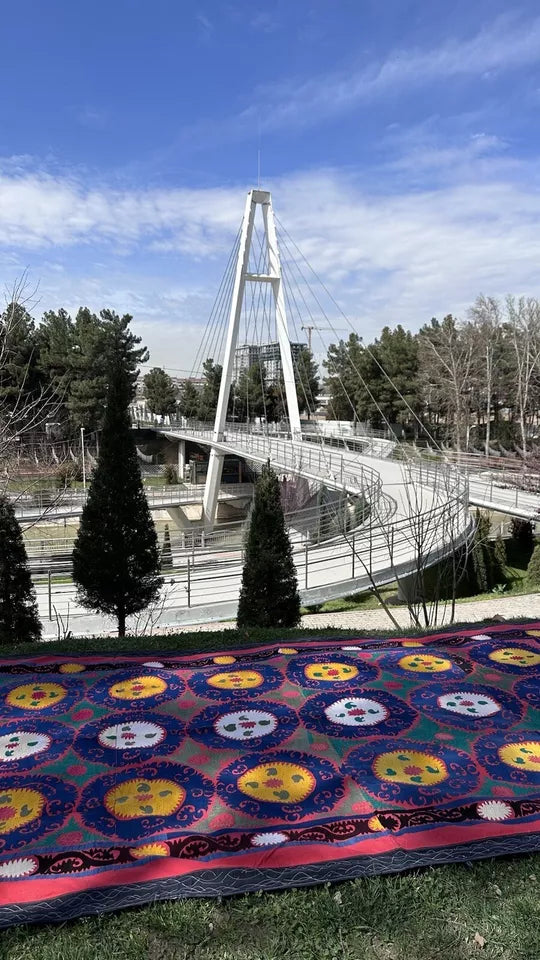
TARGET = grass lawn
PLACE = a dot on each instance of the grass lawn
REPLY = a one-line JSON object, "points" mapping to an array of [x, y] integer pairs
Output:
{"points": [[518, 557], [425, 915], [488, 909]]}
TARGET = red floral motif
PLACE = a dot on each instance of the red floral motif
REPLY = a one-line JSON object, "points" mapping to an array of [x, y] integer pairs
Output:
{"points": [[357, 712], [412, 771], [274, 782], [128, 736], [38, 694], [362, 806], [6, 813], [83, 714], [467, 703], [248, 724]]}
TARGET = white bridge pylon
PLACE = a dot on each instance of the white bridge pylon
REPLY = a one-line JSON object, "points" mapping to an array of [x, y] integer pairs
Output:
{"points": [[263, 199]]}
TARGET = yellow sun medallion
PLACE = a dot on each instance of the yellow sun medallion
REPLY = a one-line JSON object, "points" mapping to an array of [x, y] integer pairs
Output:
{"points": [[523, 756], [516, 656], [36, 696], [150, 850], [236, 680], [277, 783], [334, 672], [138, 688], [413, 766], [19, 807], [144, 798], [425, 663]]}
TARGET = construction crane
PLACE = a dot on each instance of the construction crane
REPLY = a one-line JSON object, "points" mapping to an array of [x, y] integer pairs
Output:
{"points": [[310, 327]]}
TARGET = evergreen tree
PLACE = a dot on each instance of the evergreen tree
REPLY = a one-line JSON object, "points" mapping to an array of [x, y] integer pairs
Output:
{"points": [[116, 558], [19, 617], [522, 531], [160, 392], [209, 394], [250, 393], [99, 342], [499, 560], [479, 568], [20, 376], [166, 551], [56, 357], [269, 592], [306, 374], [533, 569], [188, 401]]}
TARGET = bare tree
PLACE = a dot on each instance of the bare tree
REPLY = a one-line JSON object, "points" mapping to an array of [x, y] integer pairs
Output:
{"points": [[523, 318], [485, 315], [446, 364]]}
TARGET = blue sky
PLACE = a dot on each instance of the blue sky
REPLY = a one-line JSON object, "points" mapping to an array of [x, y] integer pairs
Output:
{"points": [[400, 139]]}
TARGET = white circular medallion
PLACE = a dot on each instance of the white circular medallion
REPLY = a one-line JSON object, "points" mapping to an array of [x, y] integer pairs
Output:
{"points": [[132, 735], [16, 869], [246, 724], [494, 810], [21, 744], [268, 839], [469, 704], [356, 712]]}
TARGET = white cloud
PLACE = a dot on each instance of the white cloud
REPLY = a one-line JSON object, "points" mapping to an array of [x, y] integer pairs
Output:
{"points": [[39, 210], [389, 254], [503, 45]]}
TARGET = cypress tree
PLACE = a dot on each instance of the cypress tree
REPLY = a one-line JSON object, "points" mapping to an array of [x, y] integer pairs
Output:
{"points": [[499, 559], [269, 592], [479, 567], [19, 617], [166, 551], [533, 569], [116, 559]]}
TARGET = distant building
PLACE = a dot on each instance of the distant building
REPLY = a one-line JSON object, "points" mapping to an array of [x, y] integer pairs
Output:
{"points": [[197, 382], [267, 354]]}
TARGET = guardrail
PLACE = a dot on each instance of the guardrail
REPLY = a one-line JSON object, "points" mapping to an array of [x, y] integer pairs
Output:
{"points": [[48, 504]]}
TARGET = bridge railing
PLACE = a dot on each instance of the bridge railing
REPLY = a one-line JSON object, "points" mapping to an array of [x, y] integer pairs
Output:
{"points": [[49, 502]]}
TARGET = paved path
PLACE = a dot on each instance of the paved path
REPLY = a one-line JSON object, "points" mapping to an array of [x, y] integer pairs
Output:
{"points": [[519, 607]]}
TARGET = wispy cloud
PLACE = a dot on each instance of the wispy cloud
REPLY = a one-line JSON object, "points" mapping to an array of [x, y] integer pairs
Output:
{"points": [[295, 102], [504, 45], [389, 256]]}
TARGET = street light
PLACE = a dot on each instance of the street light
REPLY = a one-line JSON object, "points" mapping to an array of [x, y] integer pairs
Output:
{"points": [[83, 461]]}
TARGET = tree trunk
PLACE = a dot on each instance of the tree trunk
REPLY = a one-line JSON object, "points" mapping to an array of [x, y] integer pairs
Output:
{"points": [[121, 615], [523, 433]]}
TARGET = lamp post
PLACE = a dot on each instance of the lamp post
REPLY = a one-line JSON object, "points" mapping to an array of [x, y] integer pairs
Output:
{"points": [[83, 461]]}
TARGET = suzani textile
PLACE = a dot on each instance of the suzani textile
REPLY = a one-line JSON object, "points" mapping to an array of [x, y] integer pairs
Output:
{"points": [[124, 780]]}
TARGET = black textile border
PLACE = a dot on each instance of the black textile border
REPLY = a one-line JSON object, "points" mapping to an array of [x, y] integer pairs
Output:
{"points": [[226, 881]]}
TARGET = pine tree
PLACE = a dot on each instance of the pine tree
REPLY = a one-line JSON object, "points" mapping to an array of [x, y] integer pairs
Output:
{"points": [[19, 617], [116, 558], [269, 592], [166, 551], [160, 392], [188, 401], [533, 570]]}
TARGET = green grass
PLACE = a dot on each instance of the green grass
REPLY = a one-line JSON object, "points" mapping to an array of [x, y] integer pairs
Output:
{"points": [[421, 915], [515, 572]]}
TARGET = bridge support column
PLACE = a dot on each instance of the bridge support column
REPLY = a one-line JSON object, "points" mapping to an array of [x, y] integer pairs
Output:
{"points": [[410, 588], [211, 487], [181, 459]]}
